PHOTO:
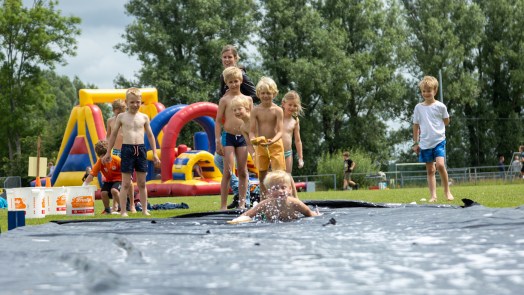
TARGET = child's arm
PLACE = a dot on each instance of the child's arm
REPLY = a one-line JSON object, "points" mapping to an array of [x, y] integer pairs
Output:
{"points": [[298, 144], [303, 208], [112, 139], [446, 121], [253, 125], [416, 131], [218, 127], [250, 148], [151, 138], [279, 126]]}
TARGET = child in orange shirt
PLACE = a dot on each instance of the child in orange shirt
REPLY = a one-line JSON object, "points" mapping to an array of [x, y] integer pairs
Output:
{"points": [[111, 172]]}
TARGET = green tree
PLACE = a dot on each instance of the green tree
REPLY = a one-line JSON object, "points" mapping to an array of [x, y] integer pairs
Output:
{"points": [[445, 37], [501, 69], [343, 58], [179, 44], [31, 39]]}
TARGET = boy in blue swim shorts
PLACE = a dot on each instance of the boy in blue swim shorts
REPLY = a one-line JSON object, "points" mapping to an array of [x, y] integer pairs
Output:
{"points": [[430, 119]]}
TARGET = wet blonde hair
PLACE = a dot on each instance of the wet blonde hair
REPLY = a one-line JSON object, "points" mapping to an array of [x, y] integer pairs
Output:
{"points": [[231, 73], [277, 177], [101, 148], [119, 104], [293, 96], [233, 50], [430, 82], [238, 101], [268, 84], [133, 91]]}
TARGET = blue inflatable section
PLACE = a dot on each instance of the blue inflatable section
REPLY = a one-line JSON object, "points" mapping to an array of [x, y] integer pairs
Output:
{"points": [[162, 119]]}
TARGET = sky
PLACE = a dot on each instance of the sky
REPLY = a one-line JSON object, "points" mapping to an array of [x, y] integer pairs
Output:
{"points": [[103, 24]]}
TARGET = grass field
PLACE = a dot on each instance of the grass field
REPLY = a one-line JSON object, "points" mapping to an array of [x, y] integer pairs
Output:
{"points": [[490, 195]]}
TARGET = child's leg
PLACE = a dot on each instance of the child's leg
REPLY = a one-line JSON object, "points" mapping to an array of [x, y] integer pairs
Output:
{"points": [[432, 183], [115, 194], [131, 196], [141, 182], [116, 202], [293, 187], [105, 199], [289, 164], [263, 189], [229, 162], [441, 167], [126, 180], [241, 155]]}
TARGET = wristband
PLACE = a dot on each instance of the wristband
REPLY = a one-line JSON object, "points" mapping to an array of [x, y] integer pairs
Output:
{"points": [[415, 143]]}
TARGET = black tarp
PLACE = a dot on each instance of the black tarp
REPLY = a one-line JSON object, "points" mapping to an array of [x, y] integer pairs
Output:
{"points": [[367, 249]]}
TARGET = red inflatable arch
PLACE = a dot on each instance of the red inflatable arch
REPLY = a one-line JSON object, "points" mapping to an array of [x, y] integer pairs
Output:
{"points": [[173, 128]]}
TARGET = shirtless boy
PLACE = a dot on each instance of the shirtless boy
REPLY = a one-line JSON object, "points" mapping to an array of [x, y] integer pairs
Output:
{"points": [[133, 124], [231, 143], [265, 131]]}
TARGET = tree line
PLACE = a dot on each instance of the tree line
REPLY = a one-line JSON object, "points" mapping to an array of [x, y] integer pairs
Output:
{"points": [[355, 64]]}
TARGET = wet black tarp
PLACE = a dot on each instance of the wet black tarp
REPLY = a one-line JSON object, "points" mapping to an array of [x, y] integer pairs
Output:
{"points": [[366, 249]]}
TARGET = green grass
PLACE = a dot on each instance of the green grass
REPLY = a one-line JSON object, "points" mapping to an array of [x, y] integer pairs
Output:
{"points": [[495, 196]]}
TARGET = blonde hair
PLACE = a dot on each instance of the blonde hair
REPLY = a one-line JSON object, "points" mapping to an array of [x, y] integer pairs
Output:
{"points": [[277, 177], [119, 104], [101, 148], [345, 154], [233, 50], [133, 91], [428, 81], [238, 101], [232, 73], [293, 96], [268, 84]]}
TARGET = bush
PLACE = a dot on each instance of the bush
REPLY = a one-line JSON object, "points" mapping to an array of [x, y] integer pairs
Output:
{"points": [[334, 164]]}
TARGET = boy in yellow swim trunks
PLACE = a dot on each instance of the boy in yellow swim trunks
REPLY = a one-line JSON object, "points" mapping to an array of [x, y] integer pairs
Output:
{"points": [[265, 131]]}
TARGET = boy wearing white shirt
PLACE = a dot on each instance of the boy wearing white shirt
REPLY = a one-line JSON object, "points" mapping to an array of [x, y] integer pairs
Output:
{"points": [[430, 119]]}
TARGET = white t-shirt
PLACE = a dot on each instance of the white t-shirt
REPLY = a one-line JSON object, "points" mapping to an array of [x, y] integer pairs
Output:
{"points": [[430, 118]]}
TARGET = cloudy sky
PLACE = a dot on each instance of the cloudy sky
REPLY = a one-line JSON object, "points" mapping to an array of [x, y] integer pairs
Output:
{"points": [[103, 24]]}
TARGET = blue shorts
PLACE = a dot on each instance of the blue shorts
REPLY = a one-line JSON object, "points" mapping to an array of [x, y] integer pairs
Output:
{"points": [[134, 158], [429, 155], [229, 139]]}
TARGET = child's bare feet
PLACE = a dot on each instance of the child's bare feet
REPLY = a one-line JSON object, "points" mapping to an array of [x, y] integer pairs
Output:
{"points": [[433, 200], [124, 214], [450, 197], [146, 213], [132, 210]]}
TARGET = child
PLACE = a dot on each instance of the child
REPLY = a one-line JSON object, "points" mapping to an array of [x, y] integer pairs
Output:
{"points": [[429, 135], [278, 207], [231, 143], [292, 108], [229, 57], [119, 106], [111, 172], [134, 124], [521, 150], [241, 109], [265, 131], [349, 165]]}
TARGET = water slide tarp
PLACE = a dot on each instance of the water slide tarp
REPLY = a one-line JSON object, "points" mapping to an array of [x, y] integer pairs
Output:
{"points": [[353, 248]]}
